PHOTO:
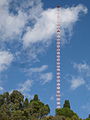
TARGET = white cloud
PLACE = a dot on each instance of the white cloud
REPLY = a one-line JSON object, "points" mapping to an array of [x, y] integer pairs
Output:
{"points": [[39, 69], [25, 88], [42, 23], [77, 82], [1, 89], [40, 74], [82, 77], [11, 25], [82, 67], [6, 59], [32, 24], [46, 77], [3, 3], [45, 26]]}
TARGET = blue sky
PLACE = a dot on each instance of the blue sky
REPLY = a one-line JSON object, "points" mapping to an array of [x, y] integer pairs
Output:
{"points": [[28, 50]]}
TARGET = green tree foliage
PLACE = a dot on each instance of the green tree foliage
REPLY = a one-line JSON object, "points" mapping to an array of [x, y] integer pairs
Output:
{"points": [[14, 107], [66, 104], [35, 98], [16, 96], [38, 108], [75, 117], [87, 118], [26, 103], [1, 100], [59, 118], [65, 112]]}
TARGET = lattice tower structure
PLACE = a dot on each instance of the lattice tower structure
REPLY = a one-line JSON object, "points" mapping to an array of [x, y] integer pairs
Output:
{"points": [[58, 42]]}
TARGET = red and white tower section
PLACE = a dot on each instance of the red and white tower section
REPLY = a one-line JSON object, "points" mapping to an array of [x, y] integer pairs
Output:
{"points": [[58, 59]]}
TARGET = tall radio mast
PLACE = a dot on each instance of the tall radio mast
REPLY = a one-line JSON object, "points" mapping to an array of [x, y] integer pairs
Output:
{"points": [[58, 59]]}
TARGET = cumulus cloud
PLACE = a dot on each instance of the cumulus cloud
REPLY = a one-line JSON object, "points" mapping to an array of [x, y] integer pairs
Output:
{"points": [[28, 25], [10, 25], [82, 76], [3, 3], [45, 26], [38, 69], [82, 68], [16, 17], [40, 74], [25, 88], [46, 77], [13, 25], [6, 59], [32, 23], [77, 82]]}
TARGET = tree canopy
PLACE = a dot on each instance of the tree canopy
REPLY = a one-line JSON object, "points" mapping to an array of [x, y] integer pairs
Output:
{"points": [[13, 106], [66, 104]]}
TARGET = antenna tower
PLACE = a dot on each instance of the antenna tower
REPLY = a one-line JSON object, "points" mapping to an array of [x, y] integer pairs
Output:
{"points": [[58, 59]]}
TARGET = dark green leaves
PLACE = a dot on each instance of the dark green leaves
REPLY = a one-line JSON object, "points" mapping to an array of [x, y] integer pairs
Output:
{"points": [[14, 107]]}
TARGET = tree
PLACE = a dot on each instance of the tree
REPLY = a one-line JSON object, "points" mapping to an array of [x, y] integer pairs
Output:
{"points": [[26, 103], [16, 99], [68, 118], [18, 115], [59, 118], [75, 117], [48, 118], [4, 116], [16, 96], [38, 108], [1, 100], [6, 98], [14, 107], [87, 119], [44, 110], [66, 112], [35, 97], [66, 104]]}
